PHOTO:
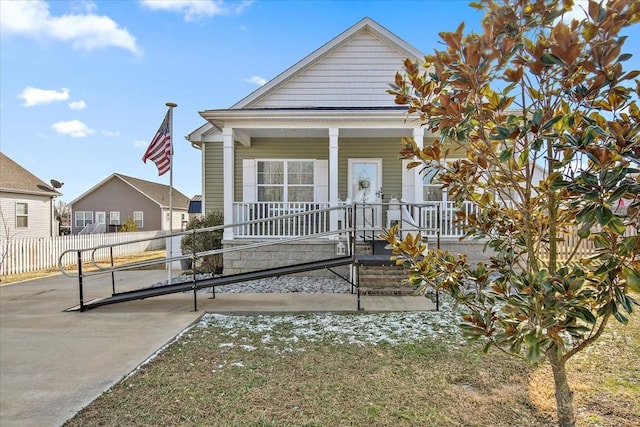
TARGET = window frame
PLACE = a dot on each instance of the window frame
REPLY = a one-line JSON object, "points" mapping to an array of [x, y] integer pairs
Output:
{"points": [[141, 220], [285, 185], [84, 218], [22, 216], [111, 218]]}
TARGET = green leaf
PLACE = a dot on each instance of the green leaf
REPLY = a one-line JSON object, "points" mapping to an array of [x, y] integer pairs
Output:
{"points": [[549, 60], [585, 230], [617, 225], [537, 118], [551, 122], [506, 155], [632, 277], [534, 352], [618, 193], [603, 215]]}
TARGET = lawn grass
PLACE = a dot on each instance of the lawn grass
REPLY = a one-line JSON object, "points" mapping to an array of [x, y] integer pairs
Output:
{"points": [[336, 370]]}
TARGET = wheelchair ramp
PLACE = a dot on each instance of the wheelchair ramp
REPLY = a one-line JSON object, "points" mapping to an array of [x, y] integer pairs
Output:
{"points": [[213, 282]]}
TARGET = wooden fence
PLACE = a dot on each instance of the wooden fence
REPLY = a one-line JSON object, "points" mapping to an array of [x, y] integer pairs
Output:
{"points": [[25, 255]]}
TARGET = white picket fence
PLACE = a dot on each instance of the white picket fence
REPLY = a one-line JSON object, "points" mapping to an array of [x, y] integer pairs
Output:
{"points": [[25, 255]]}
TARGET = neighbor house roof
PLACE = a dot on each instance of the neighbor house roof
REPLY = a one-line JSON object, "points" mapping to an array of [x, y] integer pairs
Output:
{"points": [[195, 205], [159, 193], [16, 179]]}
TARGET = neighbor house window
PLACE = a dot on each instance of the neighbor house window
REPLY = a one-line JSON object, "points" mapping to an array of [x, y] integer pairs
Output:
{"points": [[83, 218], [285, 180], [114, 218], [138, 218], [432, 190], [22, 215]]}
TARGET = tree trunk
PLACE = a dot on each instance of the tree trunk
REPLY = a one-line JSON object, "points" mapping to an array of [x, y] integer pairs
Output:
{"points": [[564, 395]]}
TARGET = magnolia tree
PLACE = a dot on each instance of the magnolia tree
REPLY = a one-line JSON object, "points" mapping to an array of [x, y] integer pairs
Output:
{"points": [[547, 120]]}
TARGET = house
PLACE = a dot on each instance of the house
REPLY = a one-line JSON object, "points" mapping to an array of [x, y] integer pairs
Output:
{"points": [[322, 133], [26, 203], [108, 204], [195, 206]]}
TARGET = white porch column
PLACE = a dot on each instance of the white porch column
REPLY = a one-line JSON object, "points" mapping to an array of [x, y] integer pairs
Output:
{"points": [[228, 176], [418, 195], [333, 176]]}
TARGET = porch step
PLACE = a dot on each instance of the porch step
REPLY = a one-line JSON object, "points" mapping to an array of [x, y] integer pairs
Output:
{"points": [[384, 279]]}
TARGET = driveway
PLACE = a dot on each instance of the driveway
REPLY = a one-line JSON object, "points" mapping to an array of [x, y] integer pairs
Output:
{"points": [[53, 362]]}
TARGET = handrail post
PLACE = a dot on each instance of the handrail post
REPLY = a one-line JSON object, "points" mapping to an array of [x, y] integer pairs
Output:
{"points": [[80, 280], [113, 275]]}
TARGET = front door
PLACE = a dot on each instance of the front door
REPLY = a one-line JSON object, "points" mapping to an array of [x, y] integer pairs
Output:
{"points": [[365, 189], [101, 220]]}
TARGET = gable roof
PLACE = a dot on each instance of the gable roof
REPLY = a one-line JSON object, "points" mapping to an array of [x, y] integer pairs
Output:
{"points": [[16, 179], [365, 56], [158, 193]]}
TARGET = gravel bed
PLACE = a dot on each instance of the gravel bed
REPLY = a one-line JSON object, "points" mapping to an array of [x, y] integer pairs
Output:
{"points": [[281, 284]]}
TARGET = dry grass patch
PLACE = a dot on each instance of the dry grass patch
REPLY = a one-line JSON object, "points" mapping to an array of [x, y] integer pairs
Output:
{"points": [[605, 379], [385, 369], [118, 261]]}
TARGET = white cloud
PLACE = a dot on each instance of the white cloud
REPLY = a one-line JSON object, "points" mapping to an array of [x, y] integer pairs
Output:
{"points": [[34, 96], [138, 143], [257, 80], [197, 9], [73, 128], [77, 105], [111, 133], [84, 30]]}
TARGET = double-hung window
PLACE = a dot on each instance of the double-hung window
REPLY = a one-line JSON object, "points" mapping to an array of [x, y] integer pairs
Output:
{"points": [[22, 215], [138, 218], [285, 180], [114, 218], [83, 218]]}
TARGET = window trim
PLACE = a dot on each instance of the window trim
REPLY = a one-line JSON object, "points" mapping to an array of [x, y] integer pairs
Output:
{"points": [[24, 215], [285, 184], [84, 218], [141, 218], [111, 217]]}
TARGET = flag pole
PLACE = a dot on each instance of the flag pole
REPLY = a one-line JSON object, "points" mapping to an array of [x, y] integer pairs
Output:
{"points": [[171, 106]]}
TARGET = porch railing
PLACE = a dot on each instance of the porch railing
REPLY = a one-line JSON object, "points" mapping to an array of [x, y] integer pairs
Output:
{"points": [[287, 219], [282, 220]]}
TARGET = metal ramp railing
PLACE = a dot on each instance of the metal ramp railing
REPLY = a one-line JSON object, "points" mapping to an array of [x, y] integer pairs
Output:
{"points": [[348, 231]]}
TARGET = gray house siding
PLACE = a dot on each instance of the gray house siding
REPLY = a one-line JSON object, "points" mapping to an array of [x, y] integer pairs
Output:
{"points": [[116, 195]]}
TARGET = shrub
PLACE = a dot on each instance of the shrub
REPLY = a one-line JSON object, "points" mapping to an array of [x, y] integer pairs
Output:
{"points": [[203, 241], [128, 225]]}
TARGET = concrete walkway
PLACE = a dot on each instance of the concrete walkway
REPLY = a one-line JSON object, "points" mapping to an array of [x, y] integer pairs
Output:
{"points": [[53, 363]]}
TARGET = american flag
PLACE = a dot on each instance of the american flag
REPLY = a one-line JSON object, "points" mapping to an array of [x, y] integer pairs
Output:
{"points": [[159, 150]]}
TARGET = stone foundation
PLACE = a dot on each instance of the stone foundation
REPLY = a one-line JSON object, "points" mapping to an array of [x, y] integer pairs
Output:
{"points": [[279, 255]]}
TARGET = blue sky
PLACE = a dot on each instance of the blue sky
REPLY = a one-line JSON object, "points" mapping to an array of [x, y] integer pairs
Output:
{"points": [[83, 84]]}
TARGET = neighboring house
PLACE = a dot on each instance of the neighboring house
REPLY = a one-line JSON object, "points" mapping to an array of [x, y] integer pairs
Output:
{"points": [[108, 204], [322, 133], [26, 203], [195, 206]]}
